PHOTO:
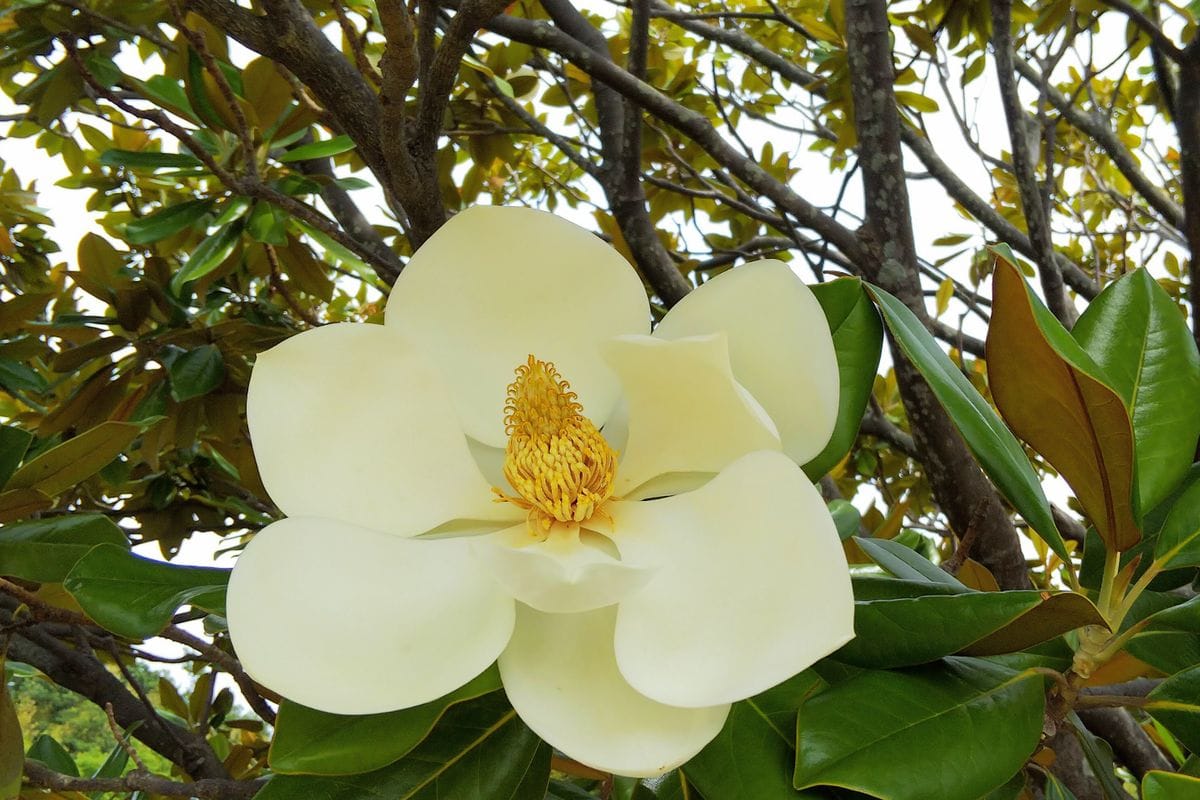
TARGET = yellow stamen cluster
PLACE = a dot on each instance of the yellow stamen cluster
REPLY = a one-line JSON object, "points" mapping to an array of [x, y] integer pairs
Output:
{"points": [[556, 460]]}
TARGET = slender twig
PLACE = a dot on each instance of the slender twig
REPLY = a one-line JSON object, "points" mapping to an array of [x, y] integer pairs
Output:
{"points": [[40, 776]]}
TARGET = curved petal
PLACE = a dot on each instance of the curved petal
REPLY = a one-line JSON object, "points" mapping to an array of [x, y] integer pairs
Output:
{"points": [[779, 345], [349, 422], [561, 677], [563, 574], [752, 585], [495, 285], [687, 414], [351, 621]]}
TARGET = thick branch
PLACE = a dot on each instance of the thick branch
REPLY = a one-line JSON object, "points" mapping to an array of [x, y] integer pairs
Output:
{"points": [[1187, 124], [969, 500], [1037, 216], [620, 147]]}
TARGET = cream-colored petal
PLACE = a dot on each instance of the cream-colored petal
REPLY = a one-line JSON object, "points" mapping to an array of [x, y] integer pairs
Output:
{"points": [[687, 414], [350, 422], [563, 574], [495, 285], [561, 677], [779, 345], [752, 585], [352, 621]]}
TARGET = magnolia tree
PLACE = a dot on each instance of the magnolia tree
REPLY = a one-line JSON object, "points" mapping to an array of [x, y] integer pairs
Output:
{"points": [[738, 401]]}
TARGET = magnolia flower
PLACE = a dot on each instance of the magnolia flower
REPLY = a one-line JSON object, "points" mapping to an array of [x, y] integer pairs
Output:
{"points": [[467, 483]]}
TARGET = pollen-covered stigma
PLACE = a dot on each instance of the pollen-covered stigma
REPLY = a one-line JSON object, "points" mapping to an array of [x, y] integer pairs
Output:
{"points": [[557, 461]]}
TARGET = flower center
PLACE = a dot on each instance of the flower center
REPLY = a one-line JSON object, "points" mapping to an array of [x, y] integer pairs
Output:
{"points": [[556, 460]]}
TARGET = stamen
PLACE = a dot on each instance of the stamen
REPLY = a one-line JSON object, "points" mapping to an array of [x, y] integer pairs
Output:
{"points": [[556, 460]]}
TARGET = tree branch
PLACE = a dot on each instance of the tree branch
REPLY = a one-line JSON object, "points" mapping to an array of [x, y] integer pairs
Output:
{"points": [[40, 776], [1099, 132], [1037, 217], [968, 499]]}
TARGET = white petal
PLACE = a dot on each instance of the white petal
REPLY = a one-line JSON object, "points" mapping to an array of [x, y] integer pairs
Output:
{"points": [[779, 344], [349, 422], [561, 677], [687, 414], [561, 574], [495, 285], [351, 621], [753, 586]]}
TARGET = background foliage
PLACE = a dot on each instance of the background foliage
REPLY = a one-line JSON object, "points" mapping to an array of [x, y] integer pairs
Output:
{"points": [[252, 170]]}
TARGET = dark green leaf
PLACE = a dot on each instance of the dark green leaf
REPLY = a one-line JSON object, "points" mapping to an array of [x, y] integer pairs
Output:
{"points": [[138, 159], [917, 630], [755, 753], [318, 743], [47, 750], [134, 596], [858, 340], [846, 518], [1159, 785], [18, 377], [208, 255], [329, 147], [998, 451], [45, 550], [1176, 704], [1170, 640], [906, 563], [1099, 757], [1055, 790], [268, 224], [12, 746], [480, 750], [874, 732], [167, 221], [196, 372], [1139, 338], [1178, 541], [14, 442]]}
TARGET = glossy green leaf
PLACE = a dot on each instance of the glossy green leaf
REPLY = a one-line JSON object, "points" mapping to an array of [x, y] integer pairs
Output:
{"points": [[1159, 785], [846, 518], [917, 630], [1054, 789], [755, 752], [1137, 335], [62, 467], [268, 224], [18, 377], [134, 596], [1170, 640], [874, 732], [1055, 396], [167, 221], [1176, 704], [329, 147], [45, 550], [858, 341], [14, 443], [208, 255], [315, 742], [12, 746], [480, 750], [196, 372], [137, 159], [1099, 756], [113, 766], [906, 563], [49, 751], [1178, 541], [994, 445]]}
